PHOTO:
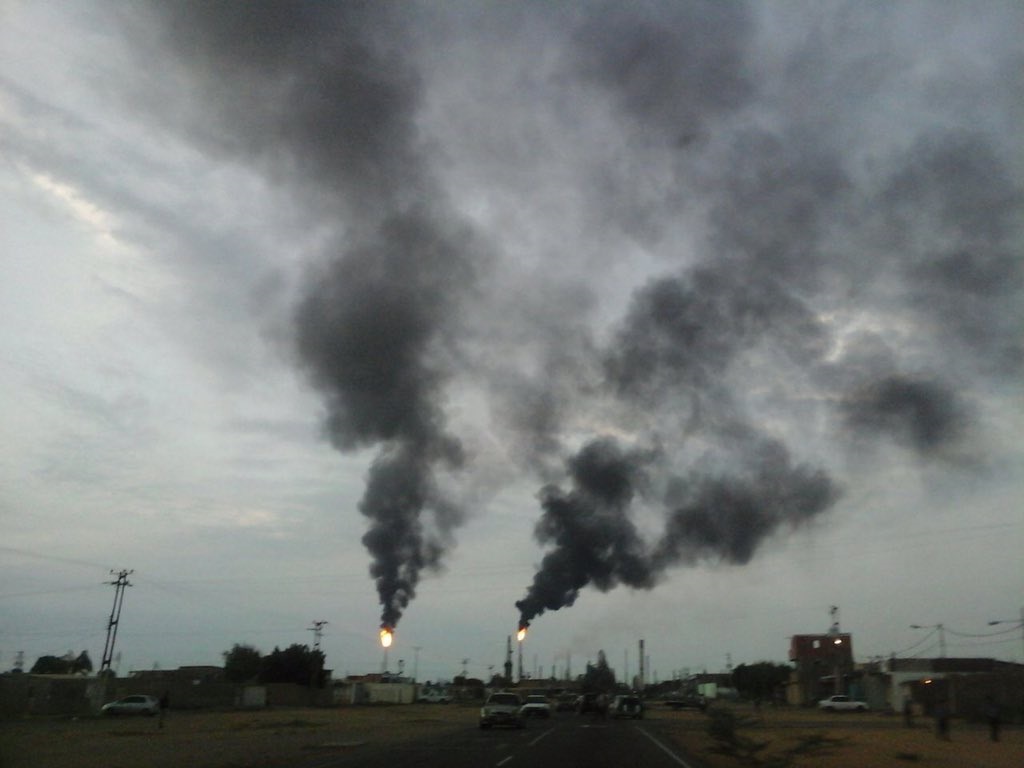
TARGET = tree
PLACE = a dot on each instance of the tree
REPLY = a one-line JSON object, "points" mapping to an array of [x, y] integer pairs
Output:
{"points": [[68, 664], [242, 663], [51, 665], [599, 677], [760, 680], [82, 664], [295, 664]]}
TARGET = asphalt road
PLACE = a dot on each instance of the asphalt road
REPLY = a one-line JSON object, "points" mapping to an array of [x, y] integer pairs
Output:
{"points": [[563, 741]]}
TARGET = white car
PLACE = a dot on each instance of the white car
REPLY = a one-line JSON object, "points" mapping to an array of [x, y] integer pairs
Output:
{"points": [[842, 704], [435, 696], [501, 709], [536, 706], [133, 705]]}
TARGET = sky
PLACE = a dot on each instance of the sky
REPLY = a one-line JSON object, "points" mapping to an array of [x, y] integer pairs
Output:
{"points": [[680, 322]]}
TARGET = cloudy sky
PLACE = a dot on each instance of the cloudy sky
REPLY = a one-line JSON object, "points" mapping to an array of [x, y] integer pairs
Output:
{"points": [[675, 321]]}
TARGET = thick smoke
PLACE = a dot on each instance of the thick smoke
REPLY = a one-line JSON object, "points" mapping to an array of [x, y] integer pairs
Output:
{"points": [[371, 334], [776, 260], [746, 241], [921, 414], [323, 98], [717, 517]]}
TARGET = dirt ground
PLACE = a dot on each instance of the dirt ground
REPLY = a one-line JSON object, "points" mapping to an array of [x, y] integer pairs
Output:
{"points": [[852, 740], [269, 738], [217, 739]]}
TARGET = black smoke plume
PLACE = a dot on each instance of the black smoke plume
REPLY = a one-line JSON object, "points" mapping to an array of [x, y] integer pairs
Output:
{"points": [[747, 163], [371, 334], [322, 98], [722, 517]]}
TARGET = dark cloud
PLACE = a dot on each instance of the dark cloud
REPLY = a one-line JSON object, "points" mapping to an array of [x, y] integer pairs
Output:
{"points": [[954, 221], [317, 94], [922, 414], [773, 221], [668, 66], [684, 333], [727, 517]]}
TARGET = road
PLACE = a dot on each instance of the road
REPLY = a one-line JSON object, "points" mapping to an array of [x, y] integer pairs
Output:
{"points": [[564, 741]]}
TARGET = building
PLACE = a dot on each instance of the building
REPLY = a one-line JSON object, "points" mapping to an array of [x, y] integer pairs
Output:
{"points": [[823, 667], [964, 685]]}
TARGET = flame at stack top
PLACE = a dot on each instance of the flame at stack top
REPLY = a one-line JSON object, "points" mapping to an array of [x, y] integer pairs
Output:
{"points": [[521, 634], [386, 636]]}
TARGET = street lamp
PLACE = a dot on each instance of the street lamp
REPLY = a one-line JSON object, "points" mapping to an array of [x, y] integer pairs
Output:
{"points": [[838, 683], [942, 636], [1019, 621]]}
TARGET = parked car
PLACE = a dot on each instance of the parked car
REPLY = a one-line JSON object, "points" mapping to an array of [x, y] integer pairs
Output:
{"points": [[842, 704], [590, 702], [536, 706], [133, 705], [501, 709], [435, 696], [687, 701], [627, 706], [565, 703]]}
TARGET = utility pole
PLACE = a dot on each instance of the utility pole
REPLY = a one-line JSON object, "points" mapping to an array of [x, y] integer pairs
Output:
{"points": [[942, 636], [316, 667], [1013, 621], [317, 630], [119, 584]]}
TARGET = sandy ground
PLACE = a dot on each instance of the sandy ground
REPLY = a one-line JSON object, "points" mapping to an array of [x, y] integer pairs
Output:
{"points": [[218, 739], [855, 740], [272, 738]]}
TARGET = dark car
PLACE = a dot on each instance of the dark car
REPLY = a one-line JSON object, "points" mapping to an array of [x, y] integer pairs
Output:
{"points": [[627, 706], [592, 702]]}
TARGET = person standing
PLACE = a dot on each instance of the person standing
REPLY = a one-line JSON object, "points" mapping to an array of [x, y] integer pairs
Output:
{"points": [[942, 721], [165, 703], [908, 712], [992, 713]]}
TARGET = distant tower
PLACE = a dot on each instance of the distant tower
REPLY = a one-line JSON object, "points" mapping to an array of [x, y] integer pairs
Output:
{"points": [[508, 660], [641, 675]]}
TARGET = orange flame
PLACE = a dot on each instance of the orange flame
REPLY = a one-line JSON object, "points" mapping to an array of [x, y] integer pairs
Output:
{"points": [[386, 637], [521, 634]]}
